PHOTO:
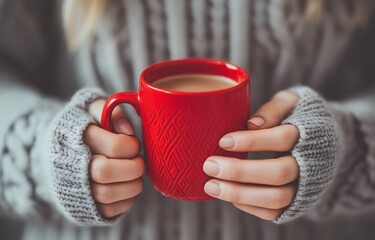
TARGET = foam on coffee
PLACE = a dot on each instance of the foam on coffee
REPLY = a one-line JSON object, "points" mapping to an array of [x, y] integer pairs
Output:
{"points": [[194, 83]]}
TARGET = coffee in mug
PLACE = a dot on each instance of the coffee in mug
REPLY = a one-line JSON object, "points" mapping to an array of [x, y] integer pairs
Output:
{"points": [[182, 126], [194, 83]]}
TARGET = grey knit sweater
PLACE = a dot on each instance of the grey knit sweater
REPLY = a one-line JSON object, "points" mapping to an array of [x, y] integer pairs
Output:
{"points": [[44, 94]]}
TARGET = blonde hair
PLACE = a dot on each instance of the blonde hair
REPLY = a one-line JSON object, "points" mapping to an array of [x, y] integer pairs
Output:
{"points": [[315, 10], [80, 17]]}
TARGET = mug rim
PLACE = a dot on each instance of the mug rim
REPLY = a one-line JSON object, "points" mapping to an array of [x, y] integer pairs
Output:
{"points": [[245, 77]]}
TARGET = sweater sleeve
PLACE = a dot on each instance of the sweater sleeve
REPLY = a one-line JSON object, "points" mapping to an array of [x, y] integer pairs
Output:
{"points": [[352, 189], [25, 61], [42, 152], [69, 159], [335, 154], [43, 160], [23, 122]]}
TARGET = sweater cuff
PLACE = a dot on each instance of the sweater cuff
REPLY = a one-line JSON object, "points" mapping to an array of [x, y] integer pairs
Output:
{"points": [[316, 151], [69, 160]]}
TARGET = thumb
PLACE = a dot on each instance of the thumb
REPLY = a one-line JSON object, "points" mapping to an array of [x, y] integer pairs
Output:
{"points": [[120, 122], [272, 113]]}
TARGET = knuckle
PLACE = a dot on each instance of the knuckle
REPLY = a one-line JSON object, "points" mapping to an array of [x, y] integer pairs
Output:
{"points": [[281, 174], [247, 142], [107, 211], [135, 146], [102, 194], [280, 198], [272, 110], [126, 146], [129, 204], [141, 167], [123, 140], [284, 139], [235, 172], [276, 111], [233, 195], [283, 135], [135, 188], [100, 170], [116, 146], [139, 186], [227, 169]]}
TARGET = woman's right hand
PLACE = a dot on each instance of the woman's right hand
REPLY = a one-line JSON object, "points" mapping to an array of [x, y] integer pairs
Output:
{"points": [[116, 167]]}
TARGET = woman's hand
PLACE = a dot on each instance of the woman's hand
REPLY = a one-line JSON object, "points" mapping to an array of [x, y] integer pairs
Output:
{"points": [[263, 188], [116, 166]]}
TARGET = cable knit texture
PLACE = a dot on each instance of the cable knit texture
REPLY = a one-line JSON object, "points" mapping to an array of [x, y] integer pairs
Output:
{"points": [[69, 160], [23, 189], [316, 151]]}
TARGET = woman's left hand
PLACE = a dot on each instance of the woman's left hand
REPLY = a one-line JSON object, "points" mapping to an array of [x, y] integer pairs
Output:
{"points": [[266, 187]]}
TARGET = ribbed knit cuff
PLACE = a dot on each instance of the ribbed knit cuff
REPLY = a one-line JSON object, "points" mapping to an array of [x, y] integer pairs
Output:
{"points": [[316, 151], [69, 160]]}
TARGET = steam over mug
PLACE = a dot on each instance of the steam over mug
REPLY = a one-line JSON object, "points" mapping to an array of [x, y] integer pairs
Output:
{"points": [[182, 129]]}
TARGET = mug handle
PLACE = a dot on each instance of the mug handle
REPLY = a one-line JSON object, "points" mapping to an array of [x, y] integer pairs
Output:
{"points": [[131, 98]]}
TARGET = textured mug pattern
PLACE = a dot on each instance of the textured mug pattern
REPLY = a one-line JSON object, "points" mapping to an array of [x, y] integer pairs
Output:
{"points": [[182, 129], [179, 140]]}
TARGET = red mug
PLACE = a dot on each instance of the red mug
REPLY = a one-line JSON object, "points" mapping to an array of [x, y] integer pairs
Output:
{"points": [[182, 129]]}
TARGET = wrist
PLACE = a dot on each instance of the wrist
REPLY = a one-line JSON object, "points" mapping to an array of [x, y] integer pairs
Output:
{"points": [[69, 159], [316, 150]]}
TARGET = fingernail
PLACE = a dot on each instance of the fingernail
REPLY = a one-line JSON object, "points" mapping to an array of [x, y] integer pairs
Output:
{"points": [[124, 127], [257, 121], [226, 142], [212, 188], [211, 167]]}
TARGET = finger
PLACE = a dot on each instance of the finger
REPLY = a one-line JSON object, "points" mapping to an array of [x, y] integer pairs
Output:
{"points": [[255, 195], [114, 192], [272, 113], [104, 170], [276, 172], [114, 209], [119, 120], [110, 144], [278, 139], [263, 213]]}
